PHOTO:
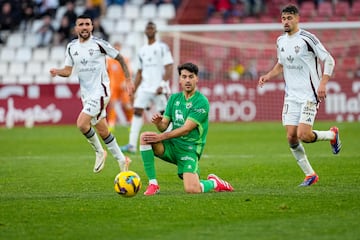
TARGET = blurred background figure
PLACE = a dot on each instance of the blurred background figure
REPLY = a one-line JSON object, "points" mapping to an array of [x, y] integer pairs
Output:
{"points": [[45, 32], [9, 20], [27, 14], [120, 108], [64, 33], [236, 70], [98, 30], [46, 7]]}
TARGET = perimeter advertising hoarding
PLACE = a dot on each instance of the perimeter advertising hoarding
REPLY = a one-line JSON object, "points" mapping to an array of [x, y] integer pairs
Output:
{"points": [[29, 105]]}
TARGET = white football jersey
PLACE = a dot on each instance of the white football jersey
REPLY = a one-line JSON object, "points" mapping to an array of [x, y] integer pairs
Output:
{"points": [[299, 55], [151, 60], [88, 60]]}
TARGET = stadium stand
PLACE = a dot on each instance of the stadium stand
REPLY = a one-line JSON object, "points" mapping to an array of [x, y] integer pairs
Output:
{"points": [[21, 61]]}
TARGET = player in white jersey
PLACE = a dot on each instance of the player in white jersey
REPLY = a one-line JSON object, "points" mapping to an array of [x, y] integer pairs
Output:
{"points": [[86, 57], [155, 65], [299, 53]]}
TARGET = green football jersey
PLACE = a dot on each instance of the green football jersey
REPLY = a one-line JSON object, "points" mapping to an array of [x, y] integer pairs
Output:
{"points": [[196, 108]]}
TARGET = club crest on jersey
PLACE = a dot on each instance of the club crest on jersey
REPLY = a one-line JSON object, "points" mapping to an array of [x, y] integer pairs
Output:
{"points": [[91, 52], [188, 105], [297, 49], [290, 59], [83, 62]]}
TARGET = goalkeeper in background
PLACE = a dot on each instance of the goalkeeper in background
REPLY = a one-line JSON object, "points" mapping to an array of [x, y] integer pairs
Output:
{"points": [[188, 111], [298, 52], [119, 94]]}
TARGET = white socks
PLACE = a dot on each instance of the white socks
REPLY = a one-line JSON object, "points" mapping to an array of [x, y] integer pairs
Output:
{"points": [[94, 140], [301, 158], [324, 135], [135, 129]]}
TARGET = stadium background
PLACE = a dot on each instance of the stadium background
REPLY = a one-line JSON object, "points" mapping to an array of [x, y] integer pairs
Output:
{"points": [[28, 95]]}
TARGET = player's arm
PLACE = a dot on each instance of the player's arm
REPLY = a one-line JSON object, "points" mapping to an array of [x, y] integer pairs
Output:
{"points": [[276, 70], [329, 64], [138, 79], [151, 137], [166, 77], [188, 126], [168, 72], [124, 66], [129, 83], [62, 72], [160, 122]]}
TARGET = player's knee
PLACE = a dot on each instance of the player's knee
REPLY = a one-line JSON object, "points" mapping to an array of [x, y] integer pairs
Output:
{"points": [[142, 138], [82, 127], [292, 138]]}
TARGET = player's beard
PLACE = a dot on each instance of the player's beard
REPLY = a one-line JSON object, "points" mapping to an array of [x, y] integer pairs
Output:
{"points": [[85, 35]]}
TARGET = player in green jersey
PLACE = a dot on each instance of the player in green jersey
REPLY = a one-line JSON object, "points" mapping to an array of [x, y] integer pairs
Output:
{"points": [[188, 111]]}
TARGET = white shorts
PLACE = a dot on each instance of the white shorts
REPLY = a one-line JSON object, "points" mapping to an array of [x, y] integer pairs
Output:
{"points": [[96, 108], [144, 100], [297, 112]]}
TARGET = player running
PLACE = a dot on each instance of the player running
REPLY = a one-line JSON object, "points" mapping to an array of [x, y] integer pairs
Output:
{"points": [[298, 52]]}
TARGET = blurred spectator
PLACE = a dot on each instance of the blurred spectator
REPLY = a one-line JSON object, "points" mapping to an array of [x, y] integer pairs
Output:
{"points": [[70, 13], [218, 73], [46, 7], [357, 73], [27, 14], [251, 72], [45, 32], [220, 7], [316, 2], [98, 30], [9, 20], [116, 2], [204, 73], [236, 70], [63, 2], [253, 7], [176, 3], [95, 8], [65, 32]]}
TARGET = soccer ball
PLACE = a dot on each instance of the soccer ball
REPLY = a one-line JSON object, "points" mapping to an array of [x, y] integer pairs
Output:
{"points": [[127, 183]]}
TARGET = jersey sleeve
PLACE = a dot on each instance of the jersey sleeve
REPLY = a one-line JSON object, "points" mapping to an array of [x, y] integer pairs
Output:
{"points": [[109, 49], [167, 57], [68, 58], [139, 60], [278, 42], [315, 44], [321, 52], [200, 111]]}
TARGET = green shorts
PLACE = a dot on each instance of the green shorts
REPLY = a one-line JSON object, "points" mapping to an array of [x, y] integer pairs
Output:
{"points": [[186, 161]]}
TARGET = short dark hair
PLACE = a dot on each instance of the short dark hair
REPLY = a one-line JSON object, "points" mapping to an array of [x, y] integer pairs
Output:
{"points": [[188, 66], [290, 9], [84, 16]]}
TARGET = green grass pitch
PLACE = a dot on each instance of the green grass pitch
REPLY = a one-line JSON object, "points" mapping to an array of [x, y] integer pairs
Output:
{"points": [[48, 190]]}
